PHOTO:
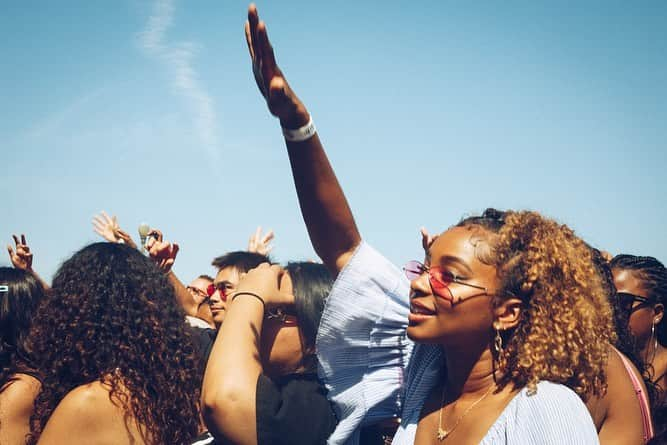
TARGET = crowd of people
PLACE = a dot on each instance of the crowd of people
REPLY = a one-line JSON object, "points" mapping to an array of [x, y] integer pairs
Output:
{"points": [[511, 330]]}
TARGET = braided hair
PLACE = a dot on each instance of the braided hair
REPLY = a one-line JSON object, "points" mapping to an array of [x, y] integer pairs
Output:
{"points": [[653, 276]]}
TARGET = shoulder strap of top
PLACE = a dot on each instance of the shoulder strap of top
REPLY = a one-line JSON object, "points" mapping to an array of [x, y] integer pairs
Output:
{"points": [[641, 395]]}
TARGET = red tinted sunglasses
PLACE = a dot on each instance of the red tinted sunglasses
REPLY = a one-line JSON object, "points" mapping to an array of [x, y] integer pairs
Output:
{"points": [[220, 287], [438, 278]]}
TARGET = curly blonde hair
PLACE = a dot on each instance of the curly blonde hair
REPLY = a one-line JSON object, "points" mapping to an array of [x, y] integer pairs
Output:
{"points": [[566, 326]]}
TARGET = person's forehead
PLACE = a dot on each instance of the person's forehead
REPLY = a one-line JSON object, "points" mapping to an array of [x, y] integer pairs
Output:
{"points": [[200, 283], [627, 281], [456, 242], [229, 274]]}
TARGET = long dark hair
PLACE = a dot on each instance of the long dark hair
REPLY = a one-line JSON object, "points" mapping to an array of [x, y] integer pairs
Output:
{"points": [[311, 284], [112, 317], [18, 305]]}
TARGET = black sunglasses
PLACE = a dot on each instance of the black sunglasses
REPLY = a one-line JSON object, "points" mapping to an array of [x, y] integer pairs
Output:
{"points": [[627, 300]]}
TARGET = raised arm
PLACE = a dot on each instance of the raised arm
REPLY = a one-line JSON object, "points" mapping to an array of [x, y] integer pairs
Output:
{"points": [[164, 254], [22, 257], [325, 210], [229, 390]]}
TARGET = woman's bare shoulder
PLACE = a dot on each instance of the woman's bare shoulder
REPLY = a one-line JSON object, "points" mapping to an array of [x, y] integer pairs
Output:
{"points": [[20, 391]]}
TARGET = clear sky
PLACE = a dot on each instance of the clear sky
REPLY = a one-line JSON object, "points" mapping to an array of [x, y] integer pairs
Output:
{"points": [[429, 110]]}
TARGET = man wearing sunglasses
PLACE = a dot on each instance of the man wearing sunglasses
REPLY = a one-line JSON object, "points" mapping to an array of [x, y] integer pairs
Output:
{"points": [[198, 289], [230, 268]]}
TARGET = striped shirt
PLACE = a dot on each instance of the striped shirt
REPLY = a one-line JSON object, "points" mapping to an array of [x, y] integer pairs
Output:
{"points": [[373, 371]]}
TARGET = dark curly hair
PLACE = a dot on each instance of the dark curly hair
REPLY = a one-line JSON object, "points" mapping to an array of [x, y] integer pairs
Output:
{"points": [[112, 317], [566, 325], [18, 305]]}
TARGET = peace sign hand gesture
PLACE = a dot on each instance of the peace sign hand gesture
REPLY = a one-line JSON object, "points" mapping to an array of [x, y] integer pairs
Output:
{"points": [[282, 101], [22, 258]]}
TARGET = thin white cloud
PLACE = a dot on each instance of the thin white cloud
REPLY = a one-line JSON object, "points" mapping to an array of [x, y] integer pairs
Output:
{"points": [[178, 58]]}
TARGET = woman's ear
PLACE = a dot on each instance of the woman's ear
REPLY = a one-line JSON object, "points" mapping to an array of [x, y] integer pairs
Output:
{"points": [[508, 314], [658, 313]]}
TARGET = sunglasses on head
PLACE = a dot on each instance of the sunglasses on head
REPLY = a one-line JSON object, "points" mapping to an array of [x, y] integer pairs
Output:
{"points": [[627, 300], [220, 287], [438, 278]]}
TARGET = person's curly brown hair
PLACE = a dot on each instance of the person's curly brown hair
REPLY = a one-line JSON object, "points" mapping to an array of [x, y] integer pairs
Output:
{"points": [[565, 327], [112, 317]]}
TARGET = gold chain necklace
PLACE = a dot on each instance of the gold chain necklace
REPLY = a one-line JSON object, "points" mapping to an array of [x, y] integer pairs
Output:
{"points": [[443, 433]]}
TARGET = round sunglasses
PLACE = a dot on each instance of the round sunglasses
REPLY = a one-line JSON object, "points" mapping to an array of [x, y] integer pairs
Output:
{"points": [[222, 287]]}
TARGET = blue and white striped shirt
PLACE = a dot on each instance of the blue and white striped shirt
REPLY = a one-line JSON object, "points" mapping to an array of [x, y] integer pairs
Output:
{"points": [[373, 371]]}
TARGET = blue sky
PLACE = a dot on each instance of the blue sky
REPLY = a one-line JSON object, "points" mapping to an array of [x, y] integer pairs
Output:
{"points": [[148, 110]]}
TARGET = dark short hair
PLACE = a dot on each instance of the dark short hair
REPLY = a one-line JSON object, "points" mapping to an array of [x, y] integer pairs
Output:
{"points": [[311, 284], [241, 260]]}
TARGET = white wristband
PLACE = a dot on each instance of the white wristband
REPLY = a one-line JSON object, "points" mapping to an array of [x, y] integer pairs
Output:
{"points": [[300, 134]]}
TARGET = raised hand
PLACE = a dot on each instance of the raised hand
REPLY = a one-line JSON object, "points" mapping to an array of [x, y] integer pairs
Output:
{"points": [[427, 239], [162, 252], [264, 281], [107, 227], [22, 258], [260, 244], [282, 101]]}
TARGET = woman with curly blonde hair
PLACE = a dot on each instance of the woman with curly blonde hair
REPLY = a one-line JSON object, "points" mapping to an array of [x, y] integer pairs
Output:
{"points": [[501, 334]]}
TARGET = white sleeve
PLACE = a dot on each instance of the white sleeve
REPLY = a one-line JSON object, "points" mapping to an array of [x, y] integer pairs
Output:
{"points": [[362, 344]]}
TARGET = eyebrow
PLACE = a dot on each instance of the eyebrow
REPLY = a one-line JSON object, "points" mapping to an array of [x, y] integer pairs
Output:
{"points": [[456, 260]]}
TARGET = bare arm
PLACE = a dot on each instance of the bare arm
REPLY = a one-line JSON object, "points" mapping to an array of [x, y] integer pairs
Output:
{"points": [[164, 255], [183, 296], [16, 403], [229, 392], [325, 210]]}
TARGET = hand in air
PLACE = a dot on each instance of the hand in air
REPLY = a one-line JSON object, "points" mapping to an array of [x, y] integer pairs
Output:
{"points": [[260, 244], [22, 258], [427, 239], [162, 252], [282, 101], [107, 227], [264, 281]]}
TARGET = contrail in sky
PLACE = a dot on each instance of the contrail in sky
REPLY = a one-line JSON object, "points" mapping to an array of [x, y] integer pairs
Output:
{"points": [[178, 58]]}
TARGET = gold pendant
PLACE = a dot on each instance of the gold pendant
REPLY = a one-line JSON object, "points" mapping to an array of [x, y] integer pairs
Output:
{"points": [[442, 434]]}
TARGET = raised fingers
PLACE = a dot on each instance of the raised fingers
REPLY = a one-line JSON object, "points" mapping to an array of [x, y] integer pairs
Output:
{"points": [[248, 39], [268, 57], [253, 21]]}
